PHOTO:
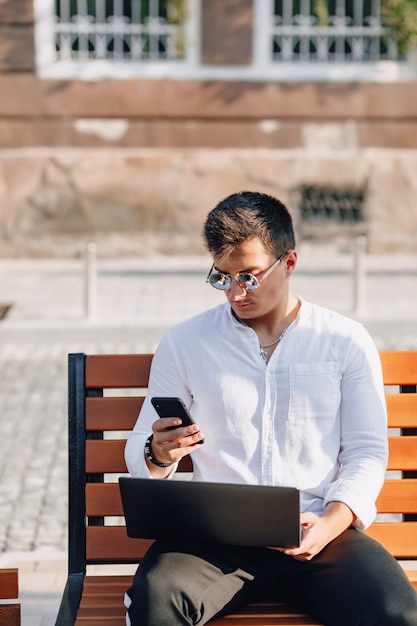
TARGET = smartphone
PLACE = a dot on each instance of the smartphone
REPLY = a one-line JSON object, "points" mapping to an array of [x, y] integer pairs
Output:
{"points": [[173, 407]]}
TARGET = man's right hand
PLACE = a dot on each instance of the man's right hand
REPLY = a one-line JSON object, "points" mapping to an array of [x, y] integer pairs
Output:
{"points": [[170, 446]]}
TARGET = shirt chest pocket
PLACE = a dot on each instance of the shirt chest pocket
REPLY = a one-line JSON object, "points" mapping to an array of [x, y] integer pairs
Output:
{"points": [[314, 390]]}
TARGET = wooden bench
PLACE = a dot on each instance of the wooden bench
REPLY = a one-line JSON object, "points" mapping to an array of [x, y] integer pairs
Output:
{"points": [[102, 410], [9, 590]]}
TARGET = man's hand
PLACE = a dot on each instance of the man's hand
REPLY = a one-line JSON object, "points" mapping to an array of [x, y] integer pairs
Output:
{"points": [[169, 446], [317, 531]]}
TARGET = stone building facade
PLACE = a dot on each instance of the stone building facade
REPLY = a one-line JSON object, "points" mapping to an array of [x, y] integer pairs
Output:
{"points": [[134, 161]]}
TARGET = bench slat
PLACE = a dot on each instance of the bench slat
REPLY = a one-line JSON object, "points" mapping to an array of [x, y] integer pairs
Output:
{"points": [[402, 410], [94, 611], [117, 371], [107, 456], [100, 599], [103, 499], [103, 456], [400, 367], [231, 620], [121, 413], [111, 544], [402, 453], [114, 413], [108, 581], [91, 617], [273, 619], [9, 583], [276, 618], [398, 496], [10, 614], [399, 538], [101, 620]]}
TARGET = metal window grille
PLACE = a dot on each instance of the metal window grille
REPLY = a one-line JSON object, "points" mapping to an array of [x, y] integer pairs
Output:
{"points": [[323, 205], [119, 30], [329, 31]]}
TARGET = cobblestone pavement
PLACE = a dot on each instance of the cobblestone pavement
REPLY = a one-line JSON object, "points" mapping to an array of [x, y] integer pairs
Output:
{"points": [[33, 442], [136, 301]]}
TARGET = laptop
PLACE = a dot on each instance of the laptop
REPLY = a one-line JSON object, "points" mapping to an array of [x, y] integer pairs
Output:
{"points": [[247, 515]]}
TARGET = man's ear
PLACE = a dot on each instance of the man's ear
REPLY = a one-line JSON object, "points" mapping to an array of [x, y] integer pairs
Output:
{"points": [[291, 261]]}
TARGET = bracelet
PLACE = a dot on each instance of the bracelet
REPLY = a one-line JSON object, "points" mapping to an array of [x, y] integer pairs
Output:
{"points": [[150, 456]]}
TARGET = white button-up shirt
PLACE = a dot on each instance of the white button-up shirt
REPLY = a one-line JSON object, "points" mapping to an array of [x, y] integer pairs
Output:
{"points": [[313, 417]]}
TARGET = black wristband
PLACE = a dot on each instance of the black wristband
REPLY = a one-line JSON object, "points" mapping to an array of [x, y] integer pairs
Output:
{"points": [[150, 456]]}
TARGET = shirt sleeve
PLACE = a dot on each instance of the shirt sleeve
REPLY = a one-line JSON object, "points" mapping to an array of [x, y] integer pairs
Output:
{"points": [[164, 380], [364, 443]]}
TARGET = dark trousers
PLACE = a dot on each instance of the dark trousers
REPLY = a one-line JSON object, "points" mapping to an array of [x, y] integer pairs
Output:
{"points": [[353, 581]]}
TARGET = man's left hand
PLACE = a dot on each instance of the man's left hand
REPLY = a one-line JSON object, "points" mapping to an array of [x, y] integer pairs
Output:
{"points": [[317, 531]]}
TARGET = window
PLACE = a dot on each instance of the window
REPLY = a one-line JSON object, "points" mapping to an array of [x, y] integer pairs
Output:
{"points": [[329, 31], [121, 30], [114, 38]]}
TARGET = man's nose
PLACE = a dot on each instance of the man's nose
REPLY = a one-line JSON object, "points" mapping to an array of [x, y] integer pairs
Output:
{"points": [[237, 288]]}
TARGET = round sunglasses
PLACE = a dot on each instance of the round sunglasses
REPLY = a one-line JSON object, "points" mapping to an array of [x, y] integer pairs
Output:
{"points": [[246, 280]]}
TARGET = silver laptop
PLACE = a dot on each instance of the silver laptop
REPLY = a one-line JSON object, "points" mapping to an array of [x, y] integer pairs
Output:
{"points": [[246, 515]]}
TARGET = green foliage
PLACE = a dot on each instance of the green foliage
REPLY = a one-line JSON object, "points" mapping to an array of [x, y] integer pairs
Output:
{"points": [[400, 17], [177, 14], [176, 11], [321, 11]]}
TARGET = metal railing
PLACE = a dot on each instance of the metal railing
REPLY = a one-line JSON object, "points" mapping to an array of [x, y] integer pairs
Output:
{"points": [[323, 31], [116, 30]]}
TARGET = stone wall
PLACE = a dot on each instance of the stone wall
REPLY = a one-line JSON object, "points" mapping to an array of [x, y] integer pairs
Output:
{"points": [[205, 114], [154, 201]]}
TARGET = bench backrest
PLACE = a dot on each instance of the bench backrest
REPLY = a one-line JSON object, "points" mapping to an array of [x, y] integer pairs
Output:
{"points": [[9, 590], [106, 393]]}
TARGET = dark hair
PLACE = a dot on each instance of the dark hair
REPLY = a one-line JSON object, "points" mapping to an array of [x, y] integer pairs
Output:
{"points": [[247, 214]]}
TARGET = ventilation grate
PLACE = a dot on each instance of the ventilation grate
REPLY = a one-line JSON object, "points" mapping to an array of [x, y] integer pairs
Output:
{"points": [[321, 205]]}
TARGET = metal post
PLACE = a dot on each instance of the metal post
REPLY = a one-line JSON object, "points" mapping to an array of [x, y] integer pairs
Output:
{"points": [[359, 276], [90, 281]]}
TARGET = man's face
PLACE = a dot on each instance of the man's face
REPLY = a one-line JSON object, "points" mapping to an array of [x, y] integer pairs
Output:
{"points": [[252, 257]]}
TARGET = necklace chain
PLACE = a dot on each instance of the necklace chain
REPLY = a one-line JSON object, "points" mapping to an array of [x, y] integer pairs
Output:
{"points": [[265, 346], [262, 346], [269, 345]]}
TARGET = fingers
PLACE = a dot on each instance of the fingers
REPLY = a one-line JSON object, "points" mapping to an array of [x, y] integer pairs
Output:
{"points": [[169, 430], [309, 545], [307, 519], [164, 424], [171, 442]]}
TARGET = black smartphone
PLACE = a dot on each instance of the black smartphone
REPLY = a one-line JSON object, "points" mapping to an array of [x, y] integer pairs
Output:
{"points": [[173, 407]]}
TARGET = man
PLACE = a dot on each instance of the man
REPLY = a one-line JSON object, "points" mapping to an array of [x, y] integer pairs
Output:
{"points": [[284, 393]]}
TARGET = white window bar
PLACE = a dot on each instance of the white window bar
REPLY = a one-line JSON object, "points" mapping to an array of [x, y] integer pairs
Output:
{"points": [[341, 31], [119, 30]]}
